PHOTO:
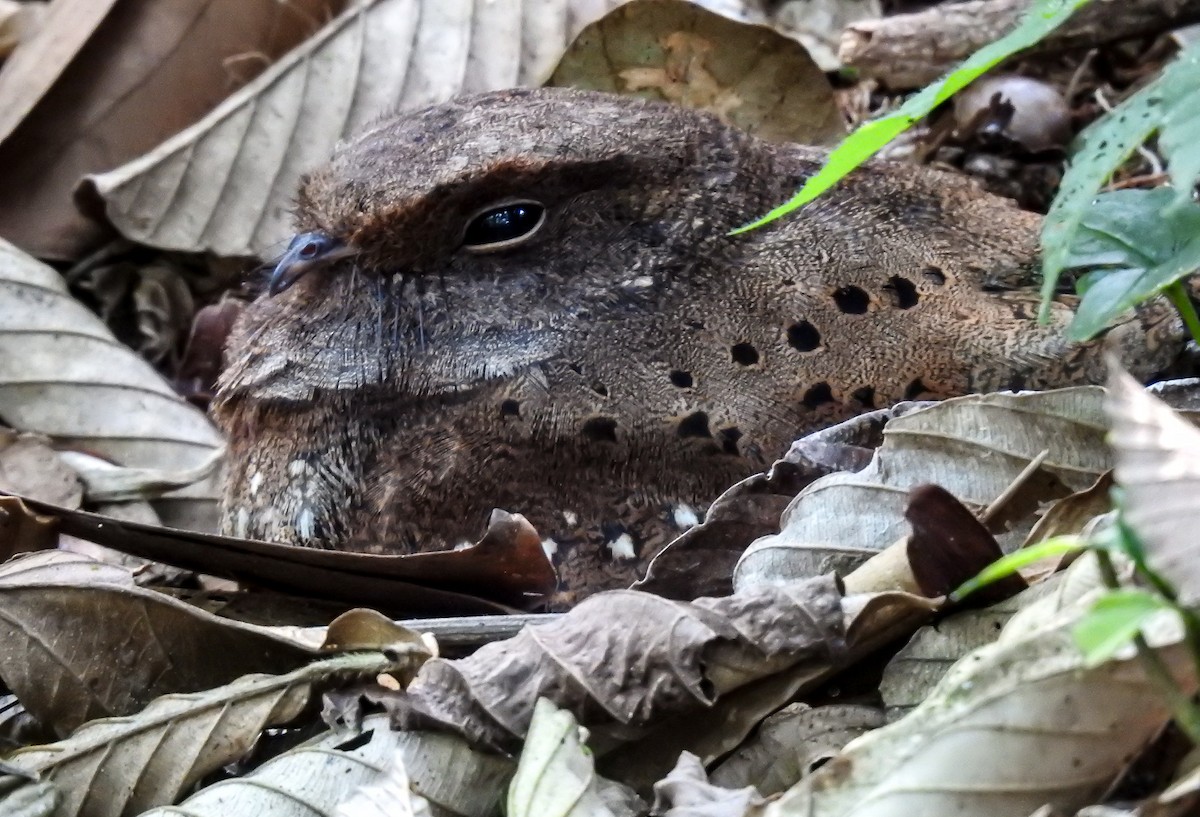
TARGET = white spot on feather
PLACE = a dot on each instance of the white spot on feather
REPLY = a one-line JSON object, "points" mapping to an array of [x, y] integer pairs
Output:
{"points": [[685, 517], [550, 547], [622, 547]]}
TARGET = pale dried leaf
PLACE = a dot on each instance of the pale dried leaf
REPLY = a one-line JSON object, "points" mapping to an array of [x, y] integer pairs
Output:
{"points": [[28, 466], [64, 375], [18, 22], [75, 652], [141, 75], [819, 24], [312, 780], [624, 660], [1013, 726], [748, 75], [974, 447], [1158, 468], [29, 73], [225, 184], [791, 743], [21, 798], [687, 792], [389, 796], [119, 766], [61, 567], [556, 773]]}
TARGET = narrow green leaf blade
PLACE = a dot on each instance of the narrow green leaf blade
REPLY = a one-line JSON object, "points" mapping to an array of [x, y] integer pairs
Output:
{"points": [[1042, 18], [1010, 564]]}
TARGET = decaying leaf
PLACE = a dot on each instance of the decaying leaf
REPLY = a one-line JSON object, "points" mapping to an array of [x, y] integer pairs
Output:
{"points": [[792, 743], [664, 658], [1158, 467], [311, 780], [701, 561], [687, 792], [974, 447], [225, 184], [75, 652], [389, 796], [105, 107], [65, 376], [120, 766], [1015, 725], [556, 773], [18, 22], [506, 567], [748, 75]]}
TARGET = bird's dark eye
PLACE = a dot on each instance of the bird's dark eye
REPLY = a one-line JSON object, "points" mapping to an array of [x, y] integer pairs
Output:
{"points": [[506, 225], [311, 249]]}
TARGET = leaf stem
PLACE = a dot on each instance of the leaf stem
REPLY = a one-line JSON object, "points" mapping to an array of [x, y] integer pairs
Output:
{"points": [[1178, 295]]}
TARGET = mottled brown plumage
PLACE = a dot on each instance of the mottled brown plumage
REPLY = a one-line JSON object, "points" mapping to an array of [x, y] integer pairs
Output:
{"points": [[617, 370]]}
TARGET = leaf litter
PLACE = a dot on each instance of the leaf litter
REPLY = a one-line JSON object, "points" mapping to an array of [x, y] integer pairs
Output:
{"points": [[629, 685]]}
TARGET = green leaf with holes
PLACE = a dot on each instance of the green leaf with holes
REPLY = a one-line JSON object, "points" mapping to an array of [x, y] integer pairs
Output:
{"points": [[1114, 620], [1043, 17], [1133, 244], [1107, 143]]}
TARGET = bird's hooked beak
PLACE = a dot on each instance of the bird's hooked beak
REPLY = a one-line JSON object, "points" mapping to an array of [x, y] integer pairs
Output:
{"points": [[306, 252]]}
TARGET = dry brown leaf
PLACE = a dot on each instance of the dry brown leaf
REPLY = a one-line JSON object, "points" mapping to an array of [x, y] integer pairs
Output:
{"points": [[624, 660], [687, 792], [506, 567], [1014, 725], [123, 766], [974, 447], [64, 375], [30, 467], [748, 75], [18, 22], [1158, 468], [556, 773], [142, 72], [791, 743], [225, 184], [314, 778], [79, 647]]}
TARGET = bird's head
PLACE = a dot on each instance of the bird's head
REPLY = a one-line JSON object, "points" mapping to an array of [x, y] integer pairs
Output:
{"points": [[464, 242]]}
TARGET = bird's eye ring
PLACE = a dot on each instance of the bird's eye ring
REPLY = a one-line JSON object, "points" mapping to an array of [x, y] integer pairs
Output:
{"points": [[501, 226]]}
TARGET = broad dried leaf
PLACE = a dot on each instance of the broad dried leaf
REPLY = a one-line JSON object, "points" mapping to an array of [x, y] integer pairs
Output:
{"points": [[30, 467], [123, 766], [506, 567], [556, 773], [791, 743], [1015, 725], [687, 792], [623, 660], [18, 22], [29, 73], [312, 780], [75, 652], [974, 447], [225, 184], [389, 796], [61, 567], [146, 71], [748, 75], [64, 375], [1158, 467]]}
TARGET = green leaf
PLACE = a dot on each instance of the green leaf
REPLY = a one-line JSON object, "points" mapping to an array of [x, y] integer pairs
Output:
{"points": [[1106, 144], [1179, 139], [1010, 564], [1142, 246], [1042, 18], [1115, 619]]}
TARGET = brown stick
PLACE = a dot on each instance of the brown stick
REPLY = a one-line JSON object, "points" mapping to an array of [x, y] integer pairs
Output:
{"points": [[911, 50]]}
